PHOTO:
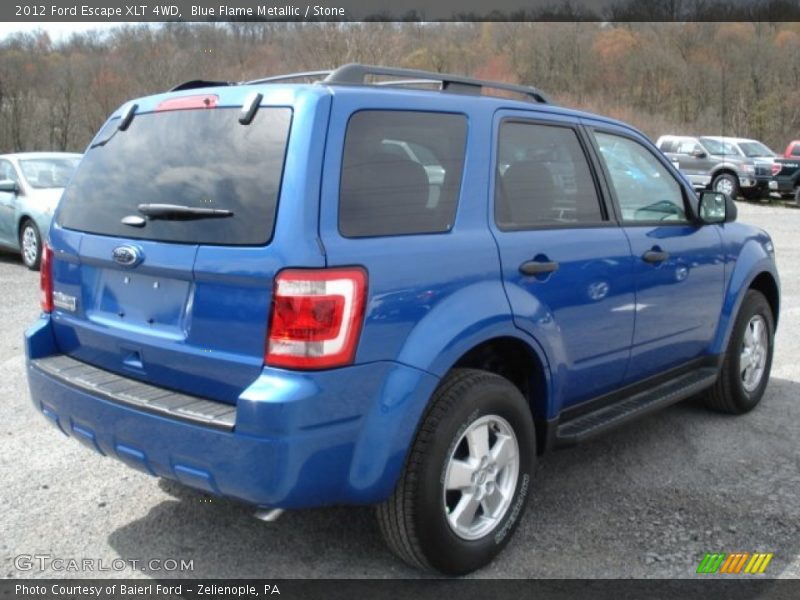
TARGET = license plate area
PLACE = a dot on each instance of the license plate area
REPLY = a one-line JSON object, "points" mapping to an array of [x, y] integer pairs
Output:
{"points": [[141, 301]]}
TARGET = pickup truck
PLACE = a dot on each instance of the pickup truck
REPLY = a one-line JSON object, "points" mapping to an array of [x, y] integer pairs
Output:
{"points": [[734, 166], [786, 178]]}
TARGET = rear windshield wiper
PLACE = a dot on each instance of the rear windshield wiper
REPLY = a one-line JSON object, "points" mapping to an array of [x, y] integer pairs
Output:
{"points": [[180, 212]]}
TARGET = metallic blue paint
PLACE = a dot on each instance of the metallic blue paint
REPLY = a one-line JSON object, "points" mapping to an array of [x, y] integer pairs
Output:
{"points": [[301, 439], [341, 435]]}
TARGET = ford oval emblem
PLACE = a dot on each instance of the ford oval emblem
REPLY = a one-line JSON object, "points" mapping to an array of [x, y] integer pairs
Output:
{"points": [[127, 256]]}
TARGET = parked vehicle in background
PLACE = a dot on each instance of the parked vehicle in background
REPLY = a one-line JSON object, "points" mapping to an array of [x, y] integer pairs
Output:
{"points": [[31, 184], [732, 166], [272, 305], [786, 178], [792, 150]]}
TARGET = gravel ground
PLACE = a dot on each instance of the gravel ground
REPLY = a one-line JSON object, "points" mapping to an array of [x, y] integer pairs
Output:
{"points": [[648, 500]]}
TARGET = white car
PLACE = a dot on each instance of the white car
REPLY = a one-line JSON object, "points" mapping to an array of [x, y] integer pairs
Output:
{"points": [[31, 184]]}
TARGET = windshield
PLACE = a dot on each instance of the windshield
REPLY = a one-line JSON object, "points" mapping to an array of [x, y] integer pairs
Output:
{"points": [[719, 147], [43, 173], [193, 159], [755, 150]]}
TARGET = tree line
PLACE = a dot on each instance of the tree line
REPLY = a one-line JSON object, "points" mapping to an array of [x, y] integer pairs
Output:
{"points": [[734, 78]]}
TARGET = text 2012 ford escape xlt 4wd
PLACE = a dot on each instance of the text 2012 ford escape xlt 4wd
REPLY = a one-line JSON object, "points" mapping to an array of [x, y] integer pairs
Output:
{"points": [[303, 294]]}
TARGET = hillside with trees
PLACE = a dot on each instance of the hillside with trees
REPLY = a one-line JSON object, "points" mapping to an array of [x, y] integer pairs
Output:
{"points": [[697, 78]]}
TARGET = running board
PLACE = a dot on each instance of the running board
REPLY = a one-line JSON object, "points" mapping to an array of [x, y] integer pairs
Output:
{"points": [[599, 421]]}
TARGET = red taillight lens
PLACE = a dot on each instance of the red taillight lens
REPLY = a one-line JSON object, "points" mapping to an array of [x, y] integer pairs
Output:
{"points": [[776, 168], [46, 278], [188, 102], [316, 318]]}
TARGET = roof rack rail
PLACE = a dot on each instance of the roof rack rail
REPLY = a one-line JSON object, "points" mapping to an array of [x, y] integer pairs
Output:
{"points": [[355, 73], [199, 83], [290, 76]]}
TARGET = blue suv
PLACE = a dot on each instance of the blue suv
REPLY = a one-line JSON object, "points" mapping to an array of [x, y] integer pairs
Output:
{"points": [[386, 287]]}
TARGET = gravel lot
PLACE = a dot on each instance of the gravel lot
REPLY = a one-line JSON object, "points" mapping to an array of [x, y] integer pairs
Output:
{"points": [[645, 501]]}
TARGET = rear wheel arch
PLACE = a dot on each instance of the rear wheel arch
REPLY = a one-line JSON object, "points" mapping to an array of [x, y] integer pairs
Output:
{"points": [[517, 361]]}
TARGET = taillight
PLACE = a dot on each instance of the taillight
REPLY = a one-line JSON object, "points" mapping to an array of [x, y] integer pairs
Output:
{"points": [[776, 168], [316, 317], [46, 278]]}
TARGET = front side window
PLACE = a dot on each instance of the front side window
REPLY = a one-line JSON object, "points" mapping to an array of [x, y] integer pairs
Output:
{"points": [[401, 173], [689, 147], [645, 190], [543, 178]]}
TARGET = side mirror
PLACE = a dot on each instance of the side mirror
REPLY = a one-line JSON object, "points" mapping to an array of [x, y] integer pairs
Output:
{"points": [[697, 153], [9, 186], [716, 207]]}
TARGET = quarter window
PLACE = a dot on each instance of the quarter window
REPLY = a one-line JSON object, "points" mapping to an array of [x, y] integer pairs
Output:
{"points": [[645, 190], [401, 173], [543, 178]]}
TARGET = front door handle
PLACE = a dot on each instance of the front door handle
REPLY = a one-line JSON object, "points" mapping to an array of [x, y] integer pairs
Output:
{"points": [[655, 256], [534, 267]]}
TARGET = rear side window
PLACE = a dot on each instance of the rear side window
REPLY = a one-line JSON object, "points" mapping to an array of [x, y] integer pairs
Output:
{"points": [[401, 173], [796, 150], [543, 178], [196, 158]]}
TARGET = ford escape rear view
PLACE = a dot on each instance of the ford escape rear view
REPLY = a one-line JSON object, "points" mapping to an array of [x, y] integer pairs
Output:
{"points": [[305, 294]]}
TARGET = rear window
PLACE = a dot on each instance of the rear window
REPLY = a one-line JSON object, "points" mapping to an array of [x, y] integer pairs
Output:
{"points": [[401, 173], [195, 158]]}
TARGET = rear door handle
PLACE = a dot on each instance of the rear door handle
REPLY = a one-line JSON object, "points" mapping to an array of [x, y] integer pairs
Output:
{"points": [[655, 256], [534, 267]]}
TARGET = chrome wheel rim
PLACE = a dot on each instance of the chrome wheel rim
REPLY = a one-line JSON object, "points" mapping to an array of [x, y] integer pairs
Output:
{"points": [[30, 247], [725, 186], [481, 477], [753, 358]]}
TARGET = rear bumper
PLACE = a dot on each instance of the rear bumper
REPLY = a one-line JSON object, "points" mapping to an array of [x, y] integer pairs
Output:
{"points": [[299, 439]]}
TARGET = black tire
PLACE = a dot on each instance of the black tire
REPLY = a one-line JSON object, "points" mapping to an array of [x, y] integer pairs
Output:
{"points": [[797, 195], [729, 394], [30, 260], [719, 181], [414, 521]]}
